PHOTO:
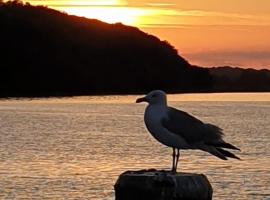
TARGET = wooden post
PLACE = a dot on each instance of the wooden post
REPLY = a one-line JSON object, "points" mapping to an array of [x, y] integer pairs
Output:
{"points": [[162, 185]]}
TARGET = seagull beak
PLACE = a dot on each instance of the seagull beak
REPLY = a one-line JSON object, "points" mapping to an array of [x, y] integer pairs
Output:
{"points": [[139, 100]]}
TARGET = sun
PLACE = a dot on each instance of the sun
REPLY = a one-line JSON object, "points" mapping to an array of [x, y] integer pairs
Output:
{"points": [[109, 14], [110, 11]]}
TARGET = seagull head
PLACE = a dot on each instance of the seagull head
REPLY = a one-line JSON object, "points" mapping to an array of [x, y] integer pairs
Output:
{"points": [[154, 97]]}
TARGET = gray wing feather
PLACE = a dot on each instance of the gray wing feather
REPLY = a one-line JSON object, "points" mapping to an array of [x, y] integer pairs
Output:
{"points": [[190, 128]]}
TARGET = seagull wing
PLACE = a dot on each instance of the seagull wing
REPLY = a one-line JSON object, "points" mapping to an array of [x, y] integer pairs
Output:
{"points": [[190, 128], [206, 137]]}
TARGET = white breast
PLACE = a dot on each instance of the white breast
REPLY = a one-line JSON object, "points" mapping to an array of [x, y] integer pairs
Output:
{"points": [[153, 119]]}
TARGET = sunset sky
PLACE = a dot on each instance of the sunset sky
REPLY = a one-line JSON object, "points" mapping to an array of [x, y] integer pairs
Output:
{"points": [[205, 32]]}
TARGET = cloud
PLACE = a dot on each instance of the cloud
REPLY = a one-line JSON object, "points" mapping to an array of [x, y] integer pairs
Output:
{"points": [[166, 5], [198, 17]]}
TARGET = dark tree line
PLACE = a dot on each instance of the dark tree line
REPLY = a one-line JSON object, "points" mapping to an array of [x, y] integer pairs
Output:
{"points": [[46, 52], [229, 79]]}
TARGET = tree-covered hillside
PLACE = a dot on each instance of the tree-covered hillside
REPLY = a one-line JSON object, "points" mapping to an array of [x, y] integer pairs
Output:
{"points": [[45, 52]]}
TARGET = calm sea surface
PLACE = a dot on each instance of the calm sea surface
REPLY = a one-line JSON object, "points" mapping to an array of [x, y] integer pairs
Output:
{"points": [[75, 148]]}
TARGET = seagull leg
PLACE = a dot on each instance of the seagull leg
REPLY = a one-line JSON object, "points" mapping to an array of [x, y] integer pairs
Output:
{"points": [[177, 159], [173, 163]]}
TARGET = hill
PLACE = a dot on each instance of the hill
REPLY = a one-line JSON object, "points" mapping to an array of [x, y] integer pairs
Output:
{"points": [[49, 53], [233, 79]]}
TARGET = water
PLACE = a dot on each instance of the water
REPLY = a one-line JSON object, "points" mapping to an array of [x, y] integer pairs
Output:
{"points": [[75, 148]]}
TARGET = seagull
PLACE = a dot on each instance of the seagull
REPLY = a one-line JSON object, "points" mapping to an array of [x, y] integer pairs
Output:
{"points": [[179, 130]]}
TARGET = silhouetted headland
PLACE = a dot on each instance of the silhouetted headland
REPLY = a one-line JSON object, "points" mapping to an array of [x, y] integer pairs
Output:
{"points": [[49, 53]]}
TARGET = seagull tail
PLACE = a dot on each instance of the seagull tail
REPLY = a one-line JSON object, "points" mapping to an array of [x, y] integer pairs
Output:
{"points": [[213, 150], [227, 153], [222, 144]]}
